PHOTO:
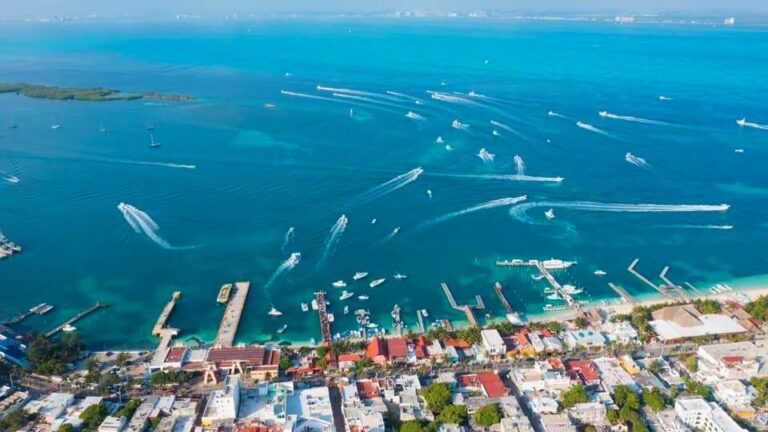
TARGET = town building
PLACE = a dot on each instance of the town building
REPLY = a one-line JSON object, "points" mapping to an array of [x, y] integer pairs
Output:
{"points": [[50, 407], [493, 343], [557, 423], [223, 405], [112, 424], [675, 323], [728, 361], [257, 362], [588, 413], [705, 416], [140, 419], [734, 394], [612, 374]]}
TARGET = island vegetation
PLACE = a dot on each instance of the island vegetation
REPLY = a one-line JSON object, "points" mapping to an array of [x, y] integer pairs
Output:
{"points": [[95, 94]]}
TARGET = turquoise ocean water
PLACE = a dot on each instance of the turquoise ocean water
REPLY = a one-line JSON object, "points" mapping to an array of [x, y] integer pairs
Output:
{"points": [[306, 161]]}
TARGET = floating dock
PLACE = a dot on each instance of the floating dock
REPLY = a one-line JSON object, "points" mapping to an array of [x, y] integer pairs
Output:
{"points": [[76, 318], [325, 323], [467, 309], [231, 319]]}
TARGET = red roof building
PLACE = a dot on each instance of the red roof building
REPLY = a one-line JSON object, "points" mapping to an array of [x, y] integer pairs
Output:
{"points": [[377, 351], [397, 350], [555, 363], [584, 371], [367, 389], [348, 361], [492, 385], [456, 343], [256, 360], [175, 357], [469, 382]]}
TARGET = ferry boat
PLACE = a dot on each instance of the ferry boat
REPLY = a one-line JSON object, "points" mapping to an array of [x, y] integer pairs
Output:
{"points": [[600, 273], [345, 295], [282, 329], [556, 264], [363, 297], [550, 214], [274, 312], [360, 275], [152, 142], [400, 276], [377, 282], [224, 293], [304, 307], [339, 284]]}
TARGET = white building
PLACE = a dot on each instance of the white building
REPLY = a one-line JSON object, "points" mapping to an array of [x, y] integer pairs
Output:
{"points": [[543, 404], [50, 407], [72, 413], [112, 424], [493, 343], [734, 393], [223, 404], [621, 332], [684, 321], [540, 378], [612, 374], [358, 415], [310, 410], [140, 419], [557, 423], [592, 413], [738, 360], [514, 419], [708, 417]]}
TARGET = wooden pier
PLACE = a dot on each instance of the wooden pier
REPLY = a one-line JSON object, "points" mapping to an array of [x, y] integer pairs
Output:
{"points": [[76, 318], [231, 319], [467, 309], [498, 288], [19, 317], [622, 293], [325, 323]]}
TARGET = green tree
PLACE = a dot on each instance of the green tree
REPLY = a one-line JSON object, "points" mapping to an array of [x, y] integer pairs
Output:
{"points": [[655, 367], [625, 397], [708, 306], [470, 335], [692, 364], [581, 323], [285, 363], [654, 399], [453, 414], [612, 416], [758, 308], [488, 415], [66, 427], [438, 396], [129, 408], [588, 428], [122, 359], [16, 420], [93, 416], [574, 395], [411, 426]]}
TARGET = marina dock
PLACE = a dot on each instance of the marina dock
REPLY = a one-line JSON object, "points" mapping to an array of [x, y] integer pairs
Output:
{"points": [[498, 288], [694, 289], [325, 323], [556, 287], [669, 291], [680, 291], [231, 319], [162, 320], [19, 317], [166, 334], [75, 319], [467, 309], [622, 293]]}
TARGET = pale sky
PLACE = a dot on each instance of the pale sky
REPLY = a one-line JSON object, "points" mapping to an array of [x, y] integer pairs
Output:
{"points": [[138, 8]]}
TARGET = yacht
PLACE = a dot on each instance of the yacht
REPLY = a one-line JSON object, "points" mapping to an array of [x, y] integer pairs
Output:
{"points": [[152, 142], [377, 282], [550, 214], [359, 275], [282, 329], [400, 276], [339, 284], [304, 307], [345, 295], [739, 150], [274, 312], [556, 264], [363, 297], [600, 273]]}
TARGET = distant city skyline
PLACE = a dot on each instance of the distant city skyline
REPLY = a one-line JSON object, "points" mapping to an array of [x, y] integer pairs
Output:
{"points": [[149, 8]]}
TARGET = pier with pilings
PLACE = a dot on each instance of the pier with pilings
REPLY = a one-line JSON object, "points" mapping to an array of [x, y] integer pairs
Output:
{"points": [[467, 309], [622, 293], [669, 290], [75, 319]]}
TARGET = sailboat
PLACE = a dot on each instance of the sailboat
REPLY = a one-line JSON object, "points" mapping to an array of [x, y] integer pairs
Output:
{"points": [[152, 142]]}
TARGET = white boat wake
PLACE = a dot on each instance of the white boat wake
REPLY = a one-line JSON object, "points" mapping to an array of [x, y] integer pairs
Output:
{"points": [[337, 91], [519, 165], [508, 129], [333, 239], [147, 163], [444, 97], [606, 114], [636, 161], [307, 96], [556, 114], [367, 102], [456, 124], [486, 156], [9, 177], [389, 186], [519, 212], [706, 227], [744, 123], [506, 177], [288, 238], [143, 224], [414, 116], [589, 127], [665, 98], [405, 96], [501, 202], [287, 265], [390, 236]]}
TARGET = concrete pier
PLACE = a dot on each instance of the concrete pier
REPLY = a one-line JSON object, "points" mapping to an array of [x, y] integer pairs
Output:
{"points": [[498, 288], [464, 308], [325, 323], [645, 280], [162, 320], [76, 318], [622, 293], [231, 319], [680, 291]]}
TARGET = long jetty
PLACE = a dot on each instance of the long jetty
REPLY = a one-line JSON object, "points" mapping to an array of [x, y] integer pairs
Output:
{"points": [[645, 280], [162, 320], [165, 333], [498, 288], [680, 291], [325, 323], [694, 289], [76, 318], [231, 319], [19, 317], [467, 309], [622, 293]]}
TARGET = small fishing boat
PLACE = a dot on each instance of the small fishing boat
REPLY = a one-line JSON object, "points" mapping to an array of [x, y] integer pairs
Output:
{"points": [[363, 297], [304, 307], [550, 214], [68, 328], [400, 276], [360, 275], [274, 312], [377, 282], [55, 126], [339, 284], [346, 295], [600, 273]]}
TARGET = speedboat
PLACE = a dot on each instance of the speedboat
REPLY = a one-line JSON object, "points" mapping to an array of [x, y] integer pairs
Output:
{"points": [[556, 264], [68, 328], [739, 150], [304, 307], [359, 275], [603, 113], [377, 282], [339, 284], [274, 312], [362, 297], [400, 276], [373, 221], [550, 214], [448, 147], [600, 273], [345, 295], [55, 126], [282, 329], [742, 122], [424, 313], [439, 140]]}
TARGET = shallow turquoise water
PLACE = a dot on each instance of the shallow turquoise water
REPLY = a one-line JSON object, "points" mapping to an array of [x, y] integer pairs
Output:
{"points": [[305, 162]]}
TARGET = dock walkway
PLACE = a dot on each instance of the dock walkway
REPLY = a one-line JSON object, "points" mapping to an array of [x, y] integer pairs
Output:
{"points": [[622, 293], [234, 311], [467, 309], [76, 318], [162, 320], [325, 323]]}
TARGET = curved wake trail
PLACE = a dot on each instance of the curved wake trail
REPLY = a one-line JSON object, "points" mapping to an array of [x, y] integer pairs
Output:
{"points": [[351, 100], [390, 236], [509, 129], [555, 114], [706, 227], [334, 235], [501, 202], [389, 186], [143, 224], [288, 238], [287, 265], [519, 212], [636, 161], [744, 123], [519, 165], [415, 116], [589, 127], [9, 177], [606, 114]]}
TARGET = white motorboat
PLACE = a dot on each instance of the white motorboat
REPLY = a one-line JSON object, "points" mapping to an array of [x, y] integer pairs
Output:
{"points": [[400, 276], [363, 297], [600, 273], [346, 295], [360, 275], [339, 284], [377, 282], [274, 312], [550, 214]]}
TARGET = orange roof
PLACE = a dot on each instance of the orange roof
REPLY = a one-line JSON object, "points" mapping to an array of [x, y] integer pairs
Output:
{"points": [[397, 348], [470, 380], [521, 338], [255, 356], [492, 384], [420, 341], [175, 354], [350, 358], [376, 348], [456, 343], [733, 359], [555, 363], [545, 332], [367, 389], [584, 370]]}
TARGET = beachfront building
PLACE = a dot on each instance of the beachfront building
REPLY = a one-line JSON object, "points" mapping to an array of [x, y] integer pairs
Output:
{"points": [[257, 362], [223, 405], [729, 361], [676, 323], [11, 349], [705, 416], [493, 343], [621, 332], [584, 339]]}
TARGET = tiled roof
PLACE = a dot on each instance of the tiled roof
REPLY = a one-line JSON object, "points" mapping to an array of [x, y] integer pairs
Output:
{"points": [[255, 356], [492, 384]]}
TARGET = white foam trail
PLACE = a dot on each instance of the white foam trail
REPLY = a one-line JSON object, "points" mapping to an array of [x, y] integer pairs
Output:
{"points": [[147, 163], [142, 223], [708, 227], [554, 114], [485, 156], [390, 186], [415, 116], [506, 177], [519, 165], [347, 91], [508, 129], [333, 239], [307, 96], [589, 127], [391, 235], [289, 264], [636, 161], [456, 124], [519, 212], [606, 114], [444, 97], [501, 202], [665, 98], [288, 238], [9, 177], [744, 123], [405, 96], [366, 100]]}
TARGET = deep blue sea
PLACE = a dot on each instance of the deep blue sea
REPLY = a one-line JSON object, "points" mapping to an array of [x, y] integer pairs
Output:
{"points": [[265, 161]]}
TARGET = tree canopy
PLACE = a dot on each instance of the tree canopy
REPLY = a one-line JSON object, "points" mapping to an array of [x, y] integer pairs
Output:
{"points": [[93, 416], [488, 415], [453, 414], [574, 395], [438, 396]]}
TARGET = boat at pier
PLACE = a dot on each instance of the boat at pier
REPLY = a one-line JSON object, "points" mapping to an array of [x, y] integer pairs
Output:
{"points": [[304, 307], [424, 313], [572, 290], [45, 309], [224, 293], [556, 264]]}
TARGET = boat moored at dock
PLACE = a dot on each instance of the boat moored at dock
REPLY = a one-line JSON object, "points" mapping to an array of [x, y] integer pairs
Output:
{"points": [[224, 293]]}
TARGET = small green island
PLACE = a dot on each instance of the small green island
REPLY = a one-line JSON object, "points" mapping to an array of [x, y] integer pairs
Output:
{"points": [[96, 94]]}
